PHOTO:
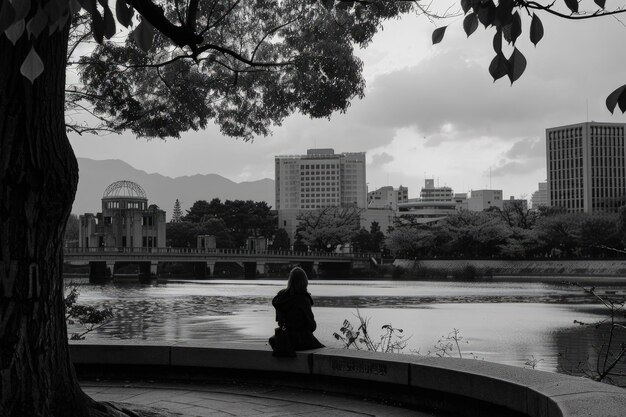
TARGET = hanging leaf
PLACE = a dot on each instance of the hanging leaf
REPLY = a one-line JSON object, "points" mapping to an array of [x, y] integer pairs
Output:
{"points": [[516, 27], [497, 42], [97, 26], [536, 30], [600, 3], [36, 24], [109, 23], [517, 65], [124, 13], [14, 32], [7, 15], [487, 13], [32, 66], [499, 66], [143, 35], [504, 12], [470, 23], [466, 5], [438, 34], [572, 5], [617, 97], [22, 7]]}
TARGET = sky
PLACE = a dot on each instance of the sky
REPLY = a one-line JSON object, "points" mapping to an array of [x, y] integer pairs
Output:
{"points": [[429, 111]]}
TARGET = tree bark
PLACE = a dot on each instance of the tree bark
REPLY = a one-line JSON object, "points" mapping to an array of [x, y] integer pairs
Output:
{"points": [[38, 179]]}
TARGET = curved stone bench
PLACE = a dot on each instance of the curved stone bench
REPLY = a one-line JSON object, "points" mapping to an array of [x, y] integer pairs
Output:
{"points": [[460, 386]]}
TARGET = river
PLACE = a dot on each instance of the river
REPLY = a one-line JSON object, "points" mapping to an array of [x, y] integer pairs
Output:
{"points": [[505, 322]]}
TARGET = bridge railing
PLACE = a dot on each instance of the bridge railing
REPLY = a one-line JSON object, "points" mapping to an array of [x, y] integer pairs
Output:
{"points": [[215, 252]]}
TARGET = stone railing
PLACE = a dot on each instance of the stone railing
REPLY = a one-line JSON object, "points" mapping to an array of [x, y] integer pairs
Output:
{"points": [[457, 386]]}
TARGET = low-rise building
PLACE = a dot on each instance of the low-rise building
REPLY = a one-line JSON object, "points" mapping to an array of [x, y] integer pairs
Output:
{"points": [[387, 197], [483, 199]]}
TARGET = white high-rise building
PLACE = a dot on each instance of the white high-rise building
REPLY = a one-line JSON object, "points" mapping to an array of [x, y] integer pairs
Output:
{"points": [[321, 178], [586, 166]]}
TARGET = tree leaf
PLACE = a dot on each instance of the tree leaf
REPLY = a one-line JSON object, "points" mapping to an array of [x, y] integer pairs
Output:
{"points": [[499, 66], [466, 5], [7, 15], [109, 23], [516, 27], [14, 32], [124, 13], [32, 66], [536, 30], [22, 7], [572, 5], [487, 13], [600, 3], [438, 34], [143, 35], [517, 65], [36, 24], [504, 12], [617, 97], [97, 26], [497, 41], [470, 23]]}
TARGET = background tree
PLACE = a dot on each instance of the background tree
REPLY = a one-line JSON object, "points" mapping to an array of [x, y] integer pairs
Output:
{"points": [[325, 228], [177, 213], [245, 65], [198, 211], [281, 240]]}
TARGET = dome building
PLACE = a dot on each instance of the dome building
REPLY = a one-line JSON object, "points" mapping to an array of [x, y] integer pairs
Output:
{"points": [[126, 220]]}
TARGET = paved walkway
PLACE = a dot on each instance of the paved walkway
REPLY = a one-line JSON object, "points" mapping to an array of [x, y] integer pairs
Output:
{"points": [[239, 400]]}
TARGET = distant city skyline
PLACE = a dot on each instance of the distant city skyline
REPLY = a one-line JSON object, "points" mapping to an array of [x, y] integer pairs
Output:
{"points": [[429, 112]]}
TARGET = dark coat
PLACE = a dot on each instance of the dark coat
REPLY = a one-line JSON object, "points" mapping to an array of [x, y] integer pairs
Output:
{"points": [[294, 312]]}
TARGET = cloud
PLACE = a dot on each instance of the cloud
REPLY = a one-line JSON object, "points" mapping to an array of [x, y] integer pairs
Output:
{"points": [[380, 159]]}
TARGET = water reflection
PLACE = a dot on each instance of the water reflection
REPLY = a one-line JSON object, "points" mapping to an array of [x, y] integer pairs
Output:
{"points": [[502, 322]]}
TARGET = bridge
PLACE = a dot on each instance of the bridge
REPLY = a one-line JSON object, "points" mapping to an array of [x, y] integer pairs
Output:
{"points": [[102, 260]]}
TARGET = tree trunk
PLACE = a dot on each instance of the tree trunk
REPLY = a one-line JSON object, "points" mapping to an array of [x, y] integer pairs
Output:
{"points": [[38, 179]]}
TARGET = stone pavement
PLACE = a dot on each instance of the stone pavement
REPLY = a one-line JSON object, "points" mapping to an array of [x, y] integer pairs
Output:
{"points": [[239, 400]]}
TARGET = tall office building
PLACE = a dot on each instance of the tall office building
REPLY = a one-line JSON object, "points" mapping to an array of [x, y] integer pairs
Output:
{"points": [[321, 178], [586, 166]]}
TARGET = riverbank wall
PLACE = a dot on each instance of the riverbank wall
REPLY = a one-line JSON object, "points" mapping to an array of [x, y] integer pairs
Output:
{"points": [[545, 269], [445, 386]]}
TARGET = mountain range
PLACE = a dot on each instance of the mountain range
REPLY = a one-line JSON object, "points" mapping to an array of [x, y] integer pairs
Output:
{"points": [[96, 176]]}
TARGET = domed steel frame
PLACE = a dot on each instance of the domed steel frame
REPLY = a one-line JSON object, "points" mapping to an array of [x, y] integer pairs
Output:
{"points": [[124, 189]]}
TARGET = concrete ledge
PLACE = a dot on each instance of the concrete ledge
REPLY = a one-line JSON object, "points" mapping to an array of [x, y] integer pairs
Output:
{"points": [[454, 384], [120, 353], [238, 356]]}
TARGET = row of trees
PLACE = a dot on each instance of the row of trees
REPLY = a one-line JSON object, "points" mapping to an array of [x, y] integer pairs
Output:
{"points": [[514, 232], [231, 222]]}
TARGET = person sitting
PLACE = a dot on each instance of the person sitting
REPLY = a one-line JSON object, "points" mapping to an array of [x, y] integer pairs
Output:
{"points": [[294, 315]]}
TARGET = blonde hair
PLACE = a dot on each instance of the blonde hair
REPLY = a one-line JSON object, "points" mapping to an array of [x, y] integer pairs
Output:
{"points": [[297, 282]]}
